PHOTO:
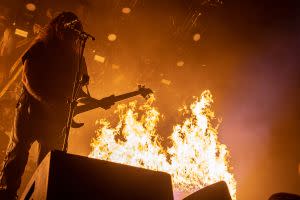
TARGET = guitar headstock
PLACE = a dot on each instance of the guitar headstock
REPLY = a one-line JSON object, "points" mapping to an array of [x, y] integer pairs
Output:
{"points": [[145, 92]]}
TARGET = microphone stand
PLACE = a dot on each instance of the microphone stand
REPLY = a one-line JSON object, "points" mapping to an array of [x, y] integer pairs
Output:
{"points": [[77, 85]]}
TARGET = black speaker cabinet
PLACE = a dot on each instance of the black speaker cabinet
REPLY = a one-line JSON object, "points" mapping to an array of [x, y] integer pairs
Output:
{"points": [[284, 196], [217, 191], [65, 176]]}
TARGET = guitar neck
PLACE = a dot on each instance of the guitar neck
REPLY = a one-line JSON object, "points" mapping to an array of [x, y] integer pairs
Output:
{"points": [[125, 96]]}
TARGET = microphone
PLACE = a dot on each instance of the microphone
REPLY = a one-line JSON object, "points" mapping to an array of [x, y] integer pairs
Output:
{"points": [[71, 24]]}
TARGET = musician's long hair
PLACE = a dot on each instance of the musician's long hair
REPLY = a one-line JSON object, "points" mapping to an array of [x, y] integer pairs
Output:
{"points": [[55, 31]]}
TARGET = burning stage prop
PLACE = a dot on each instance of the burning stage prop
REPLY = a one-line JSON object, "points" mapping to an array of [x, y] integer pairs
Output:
{"points": [[195, 158]]}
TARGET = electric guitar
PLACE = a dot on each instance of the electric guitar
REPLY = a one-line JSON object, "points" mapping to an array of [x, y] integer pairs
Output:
{"points": [[89, 103]]}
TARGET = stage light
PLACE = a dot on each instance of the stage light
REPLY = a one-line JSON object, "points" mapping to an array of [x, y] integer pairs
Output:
{"points": [[21, 33], [196, 37], [180, 63], [112, 37], [30, 6], [100, 59], [126, 10], [165, 81], [114, 66]]}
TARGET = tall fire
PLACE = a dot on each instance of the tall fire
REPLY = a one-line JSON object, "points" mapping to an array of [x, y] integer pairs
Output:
{"points": [[195, 159]]}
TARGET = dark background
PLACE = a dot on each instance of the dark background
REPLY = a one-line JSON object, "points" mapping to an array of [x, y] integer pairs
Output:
{"points": [[247, 57]]}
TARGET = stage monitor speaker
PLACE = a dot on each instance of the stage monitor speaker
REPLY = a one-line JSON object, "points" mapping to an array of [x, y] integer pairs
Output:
{"points": [[65, 176], [284, 196], [217, 191]]}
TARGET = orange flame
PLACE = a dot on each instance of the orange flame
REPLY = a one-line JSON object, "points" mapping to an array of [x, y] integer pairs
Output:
{"points": [[195, 159]]}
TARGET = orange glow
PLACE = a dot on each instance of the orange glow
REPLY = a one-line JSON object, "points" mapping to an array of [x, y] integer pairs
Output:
{"points": [[114, 66], [100, 59], [196, 37], [165, 81], [21, 33], [31, 7], [126, 10], [112, 37], [195, 159], [180, 63]]}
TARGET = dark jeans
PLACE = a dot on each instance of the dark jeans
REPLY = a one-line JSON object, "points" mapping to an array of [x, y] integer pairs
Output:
{"points": [[29, 126]]}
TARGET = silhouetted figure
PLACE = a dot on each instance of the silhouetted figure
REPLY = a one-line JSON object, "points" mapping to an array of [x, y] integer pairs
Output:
{"points": [[49, 71]]}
